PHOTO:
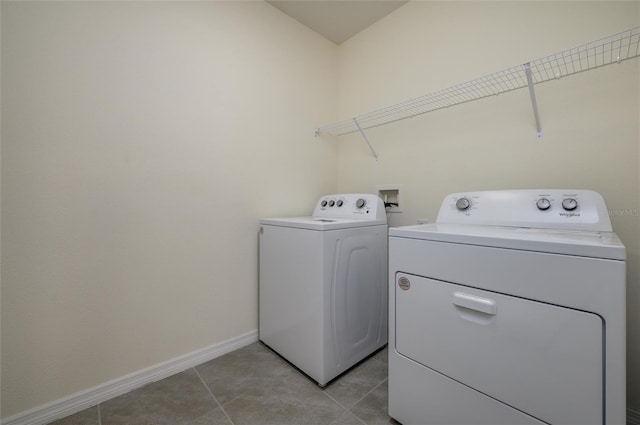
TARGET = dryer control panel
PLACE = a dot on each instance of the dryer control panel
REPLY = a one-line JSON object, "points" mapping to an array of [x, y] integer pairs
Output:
{"points": [[538, 208], [350, 205]]}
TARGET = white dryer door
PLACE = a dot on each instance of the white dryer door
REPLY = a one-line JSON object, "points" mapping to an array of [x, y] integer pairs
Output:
{"points": [[541, 359]]}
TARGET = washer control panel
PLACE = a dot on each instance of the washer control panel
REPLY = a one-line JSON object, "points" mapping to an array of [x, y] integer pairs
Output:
{"points": [[545, 208], [350, 205]]}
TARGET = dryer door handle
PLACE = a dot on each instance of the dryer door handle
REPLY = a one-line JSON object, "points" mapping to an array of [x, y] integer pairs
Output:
{"points": [[483, 305]]}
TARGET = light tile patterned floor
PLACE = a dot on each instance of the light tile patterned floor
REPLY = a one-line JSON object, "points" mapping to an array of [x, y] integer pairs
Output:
{"points": [[250, 386]]}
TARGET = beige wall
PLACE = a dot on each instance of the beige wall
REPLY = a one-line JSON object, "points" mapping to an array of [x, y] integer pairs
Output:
{"points": [[141, 143], [590, 120]]}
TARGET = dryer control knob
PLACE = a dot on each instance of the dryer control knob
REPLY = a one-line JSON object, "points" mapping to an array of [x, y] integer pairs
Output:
{"points": [[340, 202], [569, 204], [332, 203], [543, 204], [463, 204], [360, 203]]}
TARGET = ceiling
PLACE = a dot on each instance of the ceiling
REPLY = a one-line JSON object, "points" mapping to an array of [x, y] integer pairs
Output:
{"points": [[337, 20]]}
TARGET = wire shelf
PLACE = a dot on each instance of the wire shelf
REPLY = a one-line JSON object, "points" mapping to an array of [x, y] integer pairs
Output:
{"points": [[605, 51]]}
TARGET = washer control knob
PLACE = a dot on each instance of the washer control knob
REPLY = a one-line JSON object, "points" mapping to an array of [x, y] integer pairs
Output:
{"points": [[323, 203], [569, 204], [463, 204], [360, 203], [340, 202], [332, 203], [543, 204]]}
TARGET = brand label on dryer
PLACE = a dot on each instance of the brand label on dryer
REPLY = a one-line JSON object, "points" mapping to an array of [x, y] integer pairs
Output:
{"points": [[404, 283]]}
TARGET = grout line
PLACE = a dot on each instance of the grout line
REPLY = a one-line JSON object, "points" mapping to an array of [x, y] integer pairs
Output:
{"points": [[99, 415], [356, 403], [372, 390], [379, 383], [214, 397], [357, 418], [231, 400], [348, 409], [334, 400]]}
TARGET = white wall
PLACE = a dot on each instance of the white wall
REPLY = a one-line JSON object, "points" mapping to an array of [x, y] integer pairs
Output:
{"points": [[590, 120], [141, 143]]}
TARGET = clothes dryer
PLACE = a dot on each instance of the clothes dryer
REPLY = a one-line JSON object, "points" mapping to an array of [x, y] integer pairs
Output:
{"points": [[323, 284], [510, 309]]}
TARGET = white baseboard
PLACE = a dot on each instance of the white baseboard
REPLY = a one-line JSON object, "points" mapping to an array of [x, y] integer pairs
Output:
{"points": [[77, 402], [633, 417]]}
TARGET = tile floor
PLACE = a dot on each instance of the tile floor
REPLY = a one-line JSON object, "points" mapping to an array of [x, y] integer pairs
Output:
{"points": [[250, 386]]}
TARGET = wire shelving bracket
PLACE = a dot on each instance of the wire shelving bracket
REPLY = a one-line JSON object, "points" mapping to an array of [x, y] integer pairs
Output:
{"points": [[532, 94], [605, 51], [364, 136]]}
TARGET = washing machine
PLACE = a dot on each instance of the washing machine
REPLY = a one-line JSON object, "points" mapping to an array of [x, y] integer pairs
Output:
{"points": [[510, 309], [323, 284]]}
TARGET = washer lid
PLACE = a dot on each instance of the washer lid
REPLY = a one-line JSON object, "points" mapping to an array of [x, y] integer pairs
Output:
{"points": [[569, 242], [320, 223]]}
